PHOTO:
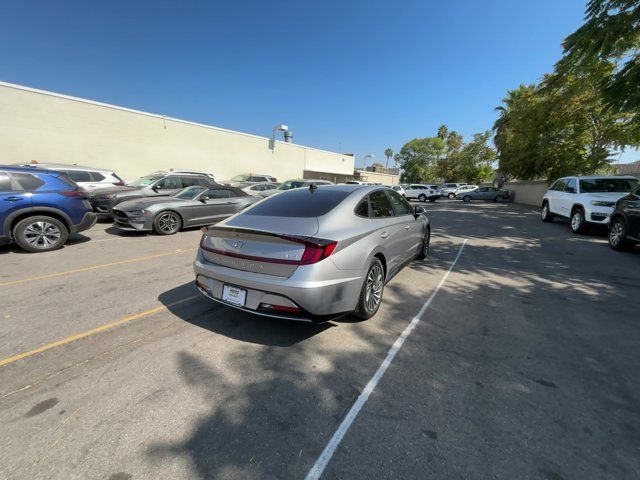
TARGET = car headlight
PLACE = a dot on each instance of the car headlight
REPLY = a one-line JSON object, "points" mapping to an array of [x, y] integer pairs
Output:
{"points": [[136, 213], [601, 203]]}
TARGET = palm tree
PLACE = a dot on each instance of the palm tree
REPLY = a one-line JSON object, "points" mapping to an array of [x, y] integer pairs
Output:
{"points": [[388, 153]]}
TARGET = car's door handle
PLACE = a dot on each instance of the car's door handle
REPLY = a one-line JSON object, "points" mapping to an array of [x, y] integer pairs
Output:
{"points": [[12, 199], [407, 227], [384, 234]]}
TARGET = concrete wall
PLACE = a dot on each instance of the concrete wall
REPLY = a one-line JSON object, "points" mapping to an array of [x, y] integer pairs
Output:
{"points": [[375, 177], [44, 126], [527, 192]]}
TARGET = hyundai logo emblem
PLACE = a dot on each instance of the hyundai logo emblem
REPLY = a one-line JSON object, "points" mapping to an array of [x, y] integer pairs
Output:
{"points": [[237, 244]]}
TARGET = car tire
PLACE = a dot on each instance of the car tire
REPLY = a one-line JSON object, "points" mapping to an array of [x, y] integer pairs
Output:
{"points": [[466, 199], [451, 196], [422, 197], [618, 235], [499, 199], [432, 200], [424, 249], [40, 233], [577, 222], [167, 223], [372, 290], [545, 213]]}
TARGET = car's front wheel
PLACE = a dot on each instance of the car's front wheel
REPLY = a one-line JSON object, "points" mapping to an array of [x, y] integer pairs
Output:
{"points": [[499, 199], [545, 213], [466, 199], [167, 223], [578, 223], [618, 234], [372, 290], [40, 233], [451, 196], [422, 197]]}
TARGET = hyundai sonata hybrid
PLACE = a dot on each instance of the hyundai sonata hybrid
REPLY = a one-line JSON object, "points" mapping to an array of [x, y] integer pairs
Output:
{"points": [[312, 254]]}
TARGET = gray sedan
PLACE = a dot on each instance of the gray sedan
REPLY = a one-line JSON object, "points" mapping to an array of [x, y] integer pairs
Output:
{"points": [[484, 193], [190, 207], [312, 254]]}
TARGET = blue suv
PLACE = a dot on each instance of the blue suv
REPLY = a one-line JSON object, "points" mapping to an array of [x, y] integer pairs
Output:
{"points": [[39, 208]]}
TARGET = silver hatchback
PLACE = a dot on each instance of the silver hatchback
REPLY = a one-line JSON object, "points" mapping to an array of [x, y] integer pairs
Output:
{"points": [[313, 253]]}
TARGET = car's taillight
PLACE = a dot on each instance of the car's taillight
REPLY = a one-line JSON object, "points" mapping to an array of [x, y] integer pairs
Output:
{"points": [[75, 193], [119, 184]]}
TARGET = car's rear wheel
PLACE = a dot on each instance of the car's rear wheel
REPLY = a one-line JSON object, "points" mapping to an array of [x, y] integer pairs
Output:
{"points": [[545, 213], [451, 196], [422, 197], [432, 199], [466, 199], [499, 199], [372, 290], [426, 241], [578, 223], [167, 223], [40, 233], [618, 235]]}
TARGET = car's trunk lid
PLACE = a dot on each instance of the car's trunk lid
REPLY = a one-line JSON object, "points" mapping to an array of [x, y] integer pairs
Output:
{"points": [[260, 244]]}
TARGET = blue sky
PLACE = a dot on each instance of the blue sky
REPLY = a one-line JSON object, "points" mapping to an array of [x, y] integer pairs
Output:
{"points": [[355, 76]]}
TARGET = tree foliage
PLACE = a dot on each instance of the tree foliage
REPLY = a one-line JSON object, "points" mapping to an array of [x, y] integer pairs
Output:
{"points": [[388, 153], [445, 157], [586, 110], [611, 33]]}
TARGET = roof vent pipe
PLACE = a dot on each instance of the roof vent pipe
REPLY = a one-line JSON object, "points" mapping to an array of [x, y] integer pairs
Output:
{"points": [[288, 136]]}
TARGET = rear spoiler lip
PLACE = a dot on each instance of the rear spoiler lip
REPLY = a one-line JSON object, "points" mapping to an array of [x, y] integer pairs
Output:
{"points": [[286, 236]]}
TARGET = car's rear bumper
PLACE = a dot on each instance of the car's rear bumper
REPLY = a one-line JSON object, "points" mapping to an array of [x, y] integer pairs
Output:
{"points": [[88, 221], [318, 300]]}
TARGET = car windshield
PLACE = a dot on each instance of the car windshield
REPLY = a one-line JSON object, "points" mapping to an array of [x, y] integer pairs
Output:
{"points": [[189, 193], [290, 185], [597, 185], [240, 178], [144, 181]]}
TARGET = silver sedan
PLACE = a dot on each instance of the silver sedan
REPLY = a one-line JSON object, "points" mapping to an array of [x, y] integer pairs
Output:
{"points": [[312, 253]]}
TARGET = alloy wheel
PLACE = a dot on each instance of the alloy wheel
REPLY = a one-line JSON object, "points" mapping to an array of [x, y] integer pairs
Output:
{"points": [[373, 292], [616, 233], [576, 220], [168, 222], [545, 212], [42, 234]]}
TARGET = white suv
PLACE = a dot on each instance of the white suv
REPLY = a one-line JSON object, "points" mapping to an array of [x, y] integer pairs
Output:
{"points": [[421, 192], [89, 178], [585, 200], [449, 189]]}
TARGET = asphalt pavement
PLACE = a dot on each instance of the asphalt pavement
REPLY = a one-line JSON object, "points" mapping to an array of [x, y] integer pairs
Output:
{"points": [[524, 365]]}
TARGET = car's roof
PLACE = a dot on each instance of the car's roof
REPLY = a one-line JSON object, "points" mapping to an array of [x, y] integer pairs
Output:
{"points": [[596, 177], [66, 166], [15, 169]]}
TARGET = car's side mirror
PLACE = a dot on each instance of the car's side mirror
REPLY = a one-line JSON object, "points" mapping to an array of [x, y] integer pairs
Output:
{"points": [[419, 211], [570, 189], [204, 199]]}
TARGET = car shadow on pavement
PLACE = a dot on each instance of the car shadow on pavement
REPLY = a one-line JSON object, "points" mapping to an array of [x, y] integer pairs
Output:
{"points": [[236, 324]]}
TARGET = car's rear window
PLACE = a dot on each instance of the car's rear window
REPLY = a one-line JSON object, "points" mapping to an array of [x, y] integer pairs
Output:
{"points": [[300, 203]]}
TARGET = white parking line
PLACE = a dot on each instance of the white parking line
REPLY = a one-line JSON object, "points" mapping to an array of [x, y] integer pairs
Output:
{"points": [[325, 457]]}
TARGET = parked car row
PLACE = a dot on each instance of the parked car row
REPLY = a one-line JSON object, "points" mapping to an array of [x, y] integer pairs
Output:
{"points": [[612, 201]]}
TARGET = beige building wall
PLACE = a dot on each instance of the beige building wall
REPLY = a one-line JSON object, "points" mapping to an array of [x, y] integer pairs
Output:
{"points": [[376, 177], [48, 127]]}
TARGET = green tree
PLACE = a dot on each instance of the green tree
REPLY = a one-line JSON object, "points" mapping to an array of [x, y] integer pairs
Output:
{"points": [[474, 161], [611, 33], [388, 153], [561, 126], [417, 158]]}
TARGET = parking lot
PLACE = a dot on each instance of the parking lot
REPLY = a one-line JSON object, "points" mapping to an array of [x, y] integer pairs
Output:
{"points": [[525, 364]]}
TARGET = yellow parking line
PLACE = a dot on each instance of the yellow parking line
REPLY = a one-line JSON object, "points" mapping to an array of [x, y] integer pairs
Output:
{"points": [[94, 267], [88, 333]]}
